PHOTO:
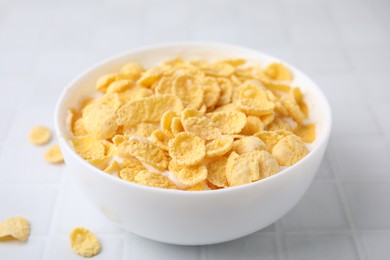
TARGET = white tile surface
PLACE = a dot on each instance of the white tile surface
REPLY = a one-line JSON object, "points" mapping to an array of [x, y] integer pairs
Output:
{"points": [[324, 247], [376, 246], [369, 204], [343, 45], [320, 209]]}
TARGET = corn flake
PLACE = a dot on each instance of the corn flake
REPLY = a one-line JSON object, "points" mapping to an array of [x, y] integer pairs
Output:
{"points": [[230, 122], [252, 126], [217, 172], [16, 228], [187, 149], [248, 144], [100, 120], [289, 150], [278, 71], [191, 175], [202, 127], [53, 154], [39, 135], [271, 138], [219, 146], [239, 170], [146, 152], [104, 81], [306, 132], [189, 89], [154, 180], [148, 109], [84, 242]]}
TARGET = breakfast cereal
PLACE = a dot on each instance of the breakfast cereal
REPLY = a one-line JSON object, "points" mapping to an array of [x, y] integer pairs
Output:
{"points": [[84, 242], [194, 125], [53, 154], [39, 135], [15, 228]]}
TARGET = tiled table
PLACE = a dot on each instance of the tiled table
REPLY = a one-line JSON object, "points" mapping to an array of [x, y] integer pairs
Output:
{"points": [[344, 45]]}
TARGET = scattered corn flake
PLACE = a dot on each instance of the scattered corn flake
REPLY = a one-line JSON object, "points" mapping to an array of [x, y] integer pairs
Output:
{"points": [[100, 120], [146, 152], [187, 149], [219, 146], [154, 180], [39, 135], [176, 125], [189, 89], [217, 172], [84, 242], [239, 170], [15, 228], [271, 138], [149, 109], [161, 138], [306, 132], [248, 144], [289, 150], [54, 155], [119, 86], [230, 122], [104, 81], [191, 175], [252, 126], [277, 71]]}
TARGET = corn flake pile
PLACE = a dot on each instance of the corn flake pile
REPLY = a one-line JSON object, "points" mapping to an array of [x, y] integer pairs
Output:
{"points": [[193, 125]]}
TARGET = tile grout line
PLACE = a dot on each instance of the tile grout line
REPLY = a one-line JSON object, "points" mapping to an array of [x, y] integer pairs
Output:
{"points": [[348, 214], [54, 216], [279, 239]]}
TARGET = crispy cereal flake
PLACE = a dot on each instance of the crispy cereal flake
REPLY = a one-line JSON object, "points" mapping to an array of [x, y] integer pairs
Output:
{"points": [[39, 135], [306, 132], [154, 180], [16, 228], [217, 172], [248, 144], [289, 150], [54, 155], [84, 242], [191, 175], [187, 149], [230, 122], [219, 146]]}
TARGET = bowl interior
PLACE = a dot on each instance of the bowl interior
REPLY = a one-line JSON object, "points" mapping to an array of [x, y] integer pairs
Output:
{"points": [[84, 85]]}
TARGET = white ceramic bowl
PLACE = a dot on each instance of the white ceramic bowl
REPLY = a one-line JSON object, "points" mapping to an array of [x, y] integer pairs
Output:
{"points": [[182, 217]]}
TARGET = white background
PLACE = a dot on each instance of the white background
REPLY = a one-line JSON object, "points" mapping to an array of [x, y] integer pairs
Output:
{"points": [[343, 45]]}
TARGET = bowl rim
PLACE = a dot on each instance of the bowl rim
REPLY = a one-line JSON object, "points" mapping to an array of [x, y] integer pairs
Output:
{"points": [[57, 117]]}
